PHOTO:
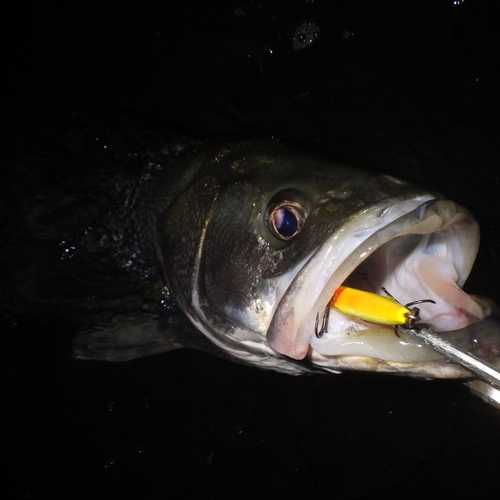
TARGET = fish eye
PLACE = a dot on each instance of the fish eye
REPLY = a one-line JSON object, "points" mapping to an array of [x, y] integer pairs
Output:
{"points": [[285, 219]]}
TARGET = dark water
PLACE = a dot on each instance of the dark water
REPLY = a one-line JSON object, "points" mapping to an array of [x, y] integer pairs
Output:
{"points": [[407, 88]]}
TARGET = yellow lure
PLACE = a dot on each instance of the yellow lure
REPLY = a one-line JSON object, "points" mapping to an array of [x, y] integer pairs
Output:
{"points": [[371, 307]]}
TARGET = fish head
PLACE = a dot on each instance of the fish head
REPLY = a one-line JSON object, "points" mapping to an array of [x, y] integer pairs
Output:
{"points": [[255, 247]]}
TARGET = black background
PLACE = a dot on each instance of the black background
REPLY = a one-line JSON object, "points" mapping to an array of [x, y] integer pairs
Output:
{"points": [[406, 88]]}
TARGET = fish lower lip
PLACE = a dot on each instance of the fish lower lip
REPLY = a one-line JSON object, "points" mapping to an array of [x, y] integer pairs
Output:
{"points": [[481, 339], [432, 225]]}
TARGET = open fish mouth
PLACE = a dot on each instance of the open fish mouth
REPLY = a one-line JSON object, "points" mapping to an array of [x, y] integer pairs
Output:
{"points": [[419, 248]]}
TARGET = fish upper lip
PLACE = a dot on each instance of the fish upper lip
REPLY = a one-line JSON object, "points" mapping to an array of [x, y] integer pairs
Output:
{"points": [[292, 325]]}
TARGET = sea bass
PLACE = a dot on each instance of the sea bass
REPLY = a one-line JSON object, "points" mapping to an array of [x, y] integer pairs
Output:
{"points": [[251, 240]]}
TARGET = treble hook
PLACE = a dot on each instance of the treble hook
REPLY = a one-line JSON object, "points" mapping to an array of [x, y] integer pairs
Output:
{"points": [[324, 323], [413, 315]]}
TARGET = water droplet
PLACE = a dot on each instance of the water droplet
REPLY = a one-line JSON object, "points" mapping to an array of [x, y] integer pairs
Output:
{"points": [[305, 34], [268, 49], [67, 250], [154, 166], [109, 463]]}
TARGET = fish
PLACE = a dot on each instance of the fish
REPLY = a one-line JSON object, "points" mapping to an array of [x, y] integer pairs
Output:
{"points": [[236, 248]]}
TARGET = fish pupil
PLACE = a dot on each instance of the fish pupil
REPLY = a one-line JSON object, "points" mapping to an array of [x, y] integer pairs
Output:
{"points": [[286, 222]]}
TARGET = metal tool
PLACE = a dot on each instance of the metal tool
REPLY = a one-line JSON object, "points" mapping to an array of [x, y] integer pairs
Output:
{"points": [[488, 387]]}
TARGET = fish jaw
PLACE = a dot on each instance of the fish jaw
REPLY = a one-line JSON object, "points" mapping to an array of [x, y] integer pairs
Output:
{"points": [[421, 248]]}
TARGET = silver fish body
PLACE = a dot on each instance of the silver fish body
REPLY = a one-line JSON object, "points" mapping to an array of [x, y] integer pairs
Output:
{"points": [[251, 240], [256, 296]]}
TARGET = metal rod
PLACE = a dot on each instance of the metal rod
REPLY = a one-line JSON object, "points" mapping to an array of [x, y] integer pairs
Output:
{"points": [[483, 369]]}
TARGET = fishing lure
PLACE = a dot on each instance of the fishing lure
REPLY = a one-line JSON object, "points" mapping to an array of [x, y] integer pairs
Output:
{"points": [[371, 307]]}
